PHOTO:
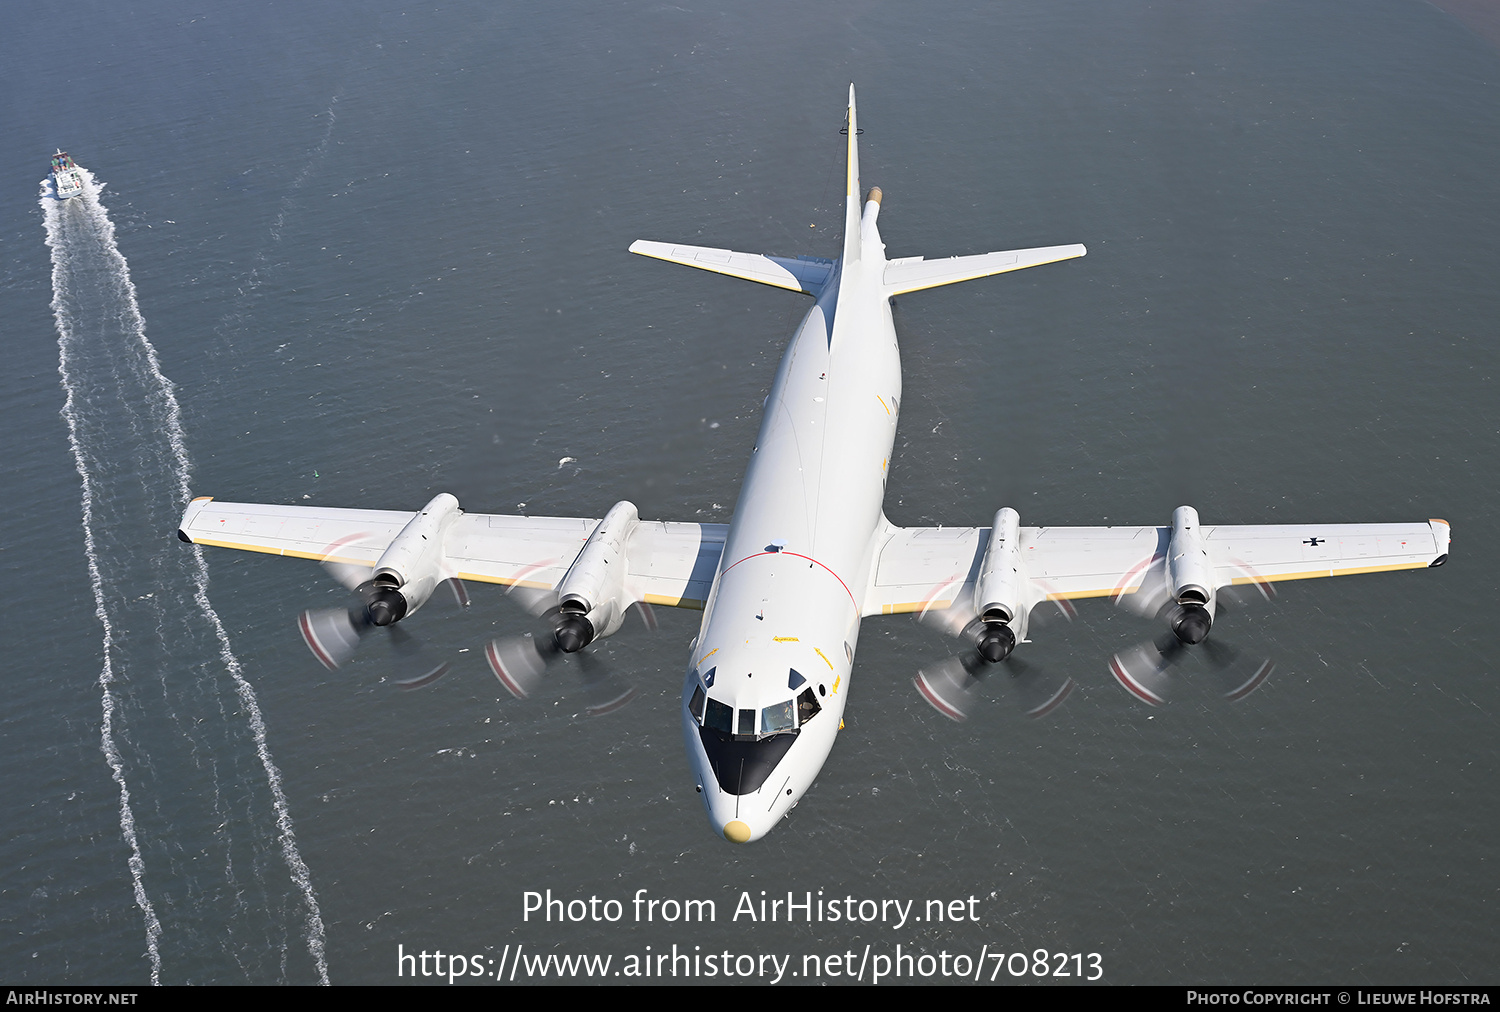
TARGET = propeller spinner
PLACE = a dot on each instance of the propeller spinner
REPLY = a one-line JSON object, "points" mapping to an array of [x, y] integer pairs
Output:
{"points": [[953, 686], [1145, 670], [521, 662], [334, 634]]}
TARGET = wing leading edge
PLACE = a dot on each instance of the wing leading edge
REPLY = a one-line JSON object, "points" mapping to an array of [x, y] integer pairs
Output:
{"points": [[669, 564]]}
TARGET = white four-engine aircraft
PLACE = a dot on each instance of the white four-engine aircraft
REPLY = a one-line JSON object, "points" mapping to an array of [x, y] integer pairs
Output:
{"points": [[809, 554]]}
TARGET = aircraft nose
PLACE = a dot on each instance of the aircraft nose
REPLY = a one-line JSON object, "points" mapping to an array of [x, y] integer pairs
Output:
{"points": [[736, 826], [748, 817]]}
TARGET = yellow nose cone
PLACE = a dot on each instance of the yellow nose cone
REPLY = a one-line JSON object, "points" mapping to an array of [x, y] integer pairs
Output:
{"points": [[737, 832]]}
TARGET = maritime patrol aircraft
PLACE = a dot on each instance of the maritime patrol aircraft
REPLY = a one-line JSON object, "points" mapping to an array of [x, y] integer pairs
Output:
{"points": [[809, 553]]}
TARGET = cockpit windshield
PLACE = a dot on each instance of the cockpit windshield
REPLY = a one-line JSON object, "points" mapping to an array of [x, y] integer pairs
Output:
{"points": [[719, 717], [778, 717], [748, 724], [744, 744]]}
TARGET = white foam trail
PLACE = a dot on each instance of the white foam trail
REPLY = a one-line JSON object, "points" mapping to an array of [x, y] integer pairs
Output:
{"points": [[314, 931], [261, 265], [137, 863], [317, 155], [289, 852]]}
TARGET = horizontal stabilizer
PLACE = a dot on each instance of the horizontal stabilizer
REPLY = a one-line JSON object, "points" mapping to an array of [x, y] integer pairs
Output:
{"points": [[797, 274], [912, 274]]}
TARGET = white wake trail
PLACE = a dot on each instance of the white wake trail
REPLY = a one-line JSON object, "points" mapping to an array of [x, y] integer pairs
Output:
{"points": [[112, 756], [319, 152], [161, 389], [289, 852]]}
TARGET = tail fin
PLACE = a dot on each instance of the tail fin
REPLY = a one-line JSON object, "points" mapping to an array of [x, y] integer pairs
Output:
{"points": [[853, 205]]}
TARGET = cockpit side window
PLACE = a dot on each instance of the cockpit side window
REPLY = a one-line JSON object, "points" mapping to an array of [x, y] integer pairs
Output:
{"points": [[695, 704], [807, 705]]}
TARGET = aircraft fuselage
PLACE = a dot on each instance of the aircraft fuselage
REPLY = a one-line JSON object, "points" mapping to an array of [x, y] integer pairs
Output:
{"points": [[783, 617]]}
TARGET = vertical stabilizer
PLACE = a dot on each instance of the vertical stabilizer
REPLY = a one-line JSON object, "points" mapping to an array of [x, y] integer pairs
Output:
{"points": [[852, 206]]}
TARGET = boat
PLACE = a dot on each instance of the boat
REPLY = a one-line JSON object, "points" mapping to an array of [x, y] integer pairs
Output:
{"points": [[67, 177]]}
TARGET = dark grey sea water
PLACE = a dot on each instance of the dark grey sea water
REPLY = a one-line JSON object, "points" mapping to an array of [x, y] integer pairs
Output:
{"points": [[383, 256]]}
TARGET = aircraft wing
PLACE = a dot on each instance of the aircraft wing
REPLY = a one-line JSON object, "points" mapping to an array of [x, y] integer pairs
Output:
{"points": [[671, 564], [797, 274], [920, 568]]}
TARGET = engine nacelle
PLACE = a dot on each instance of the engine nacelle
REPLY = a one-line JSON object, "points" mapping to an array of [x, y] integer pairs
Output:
{"points": [[410, 569], [1190, 576], [591, 597], [1002, 591]]}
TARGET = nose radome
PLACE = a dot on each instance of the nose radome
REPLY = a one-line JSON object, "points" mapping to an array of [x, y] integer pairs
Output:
{"points": [[736, 831]]}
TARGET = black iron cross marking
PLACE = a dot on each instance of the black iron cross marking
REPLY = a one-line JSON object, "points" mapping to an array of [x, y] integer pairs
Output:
{"points": [[1315, 542]]}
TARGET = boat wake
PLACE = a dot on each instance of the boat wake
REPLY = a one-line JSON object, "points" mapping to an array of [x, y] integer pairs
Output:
{"points": [[213, 856]]}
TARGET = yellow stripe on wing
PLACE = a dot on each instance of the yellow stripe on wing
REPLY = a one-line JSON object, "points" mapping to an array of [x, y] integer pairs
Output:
{"points": [[907, 607], [290, 553], [504, 581], [1074, 595], [1310, 574], [690, 603], [1313, 574]]}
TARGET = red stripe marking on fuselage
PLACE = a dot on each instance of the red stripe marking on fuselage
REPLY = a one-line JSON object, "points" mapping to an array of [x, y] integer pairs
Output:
{"points": [[795, 555]]}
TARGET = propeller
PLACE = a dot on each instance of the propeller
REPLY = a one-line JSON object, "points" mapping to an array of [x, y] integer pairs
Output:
{"points": [[603, 691], [521, 662], [1146, 669], [953, 686], [334, 634]]}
